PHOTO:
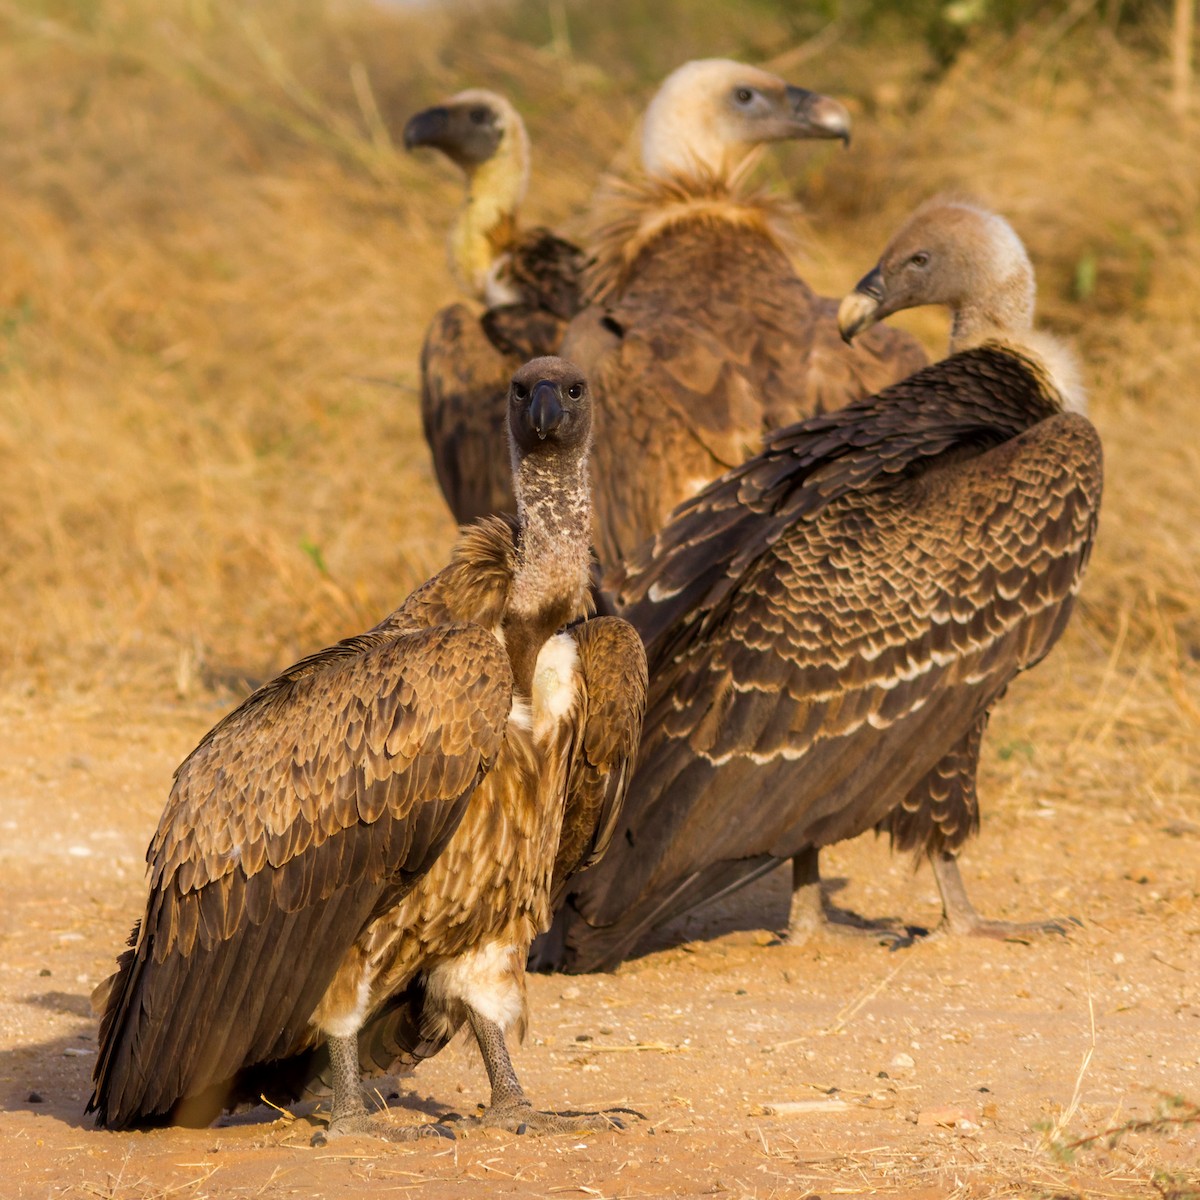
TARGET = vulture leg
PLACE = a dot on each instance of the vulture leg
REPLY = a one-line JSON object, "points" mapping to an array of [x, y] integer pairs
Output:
{"points": [[812, 915], [510, 1108], [349, 1116], [960, 917]]}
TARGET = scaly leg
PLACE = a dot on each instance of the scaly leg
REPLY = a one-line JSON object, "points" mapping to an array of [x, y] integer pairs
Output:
{"points": [[349, 1116], [812, 915], [510, 1108], [960, 917]]}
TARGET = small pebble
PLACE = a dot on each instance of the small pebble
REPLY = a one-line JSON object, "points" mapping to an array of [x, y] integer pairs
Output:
{"points": [[903, 1062], [35, 1098]]}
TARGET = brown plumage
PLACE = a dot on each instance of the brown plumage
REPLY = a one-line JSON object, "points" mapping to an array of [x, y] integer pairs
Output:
{"points": [[829, 624], [701, 338], [371, 840], [528, 280]]}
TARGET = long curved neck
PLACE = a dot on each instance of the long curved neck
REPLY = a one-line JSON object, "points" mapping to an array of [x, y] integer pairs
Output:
{"points": [[674, 147], [554, 512], [551, 582], [487, 225], [1004, 311]]}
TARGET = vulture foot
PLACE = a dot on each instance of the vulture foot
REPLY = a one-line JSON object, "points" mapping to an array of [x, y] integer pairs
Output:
{"points": [[812, 916], [521, 1117], [960, 917], [509, 1108], [365, 1125], [350, 1116]]}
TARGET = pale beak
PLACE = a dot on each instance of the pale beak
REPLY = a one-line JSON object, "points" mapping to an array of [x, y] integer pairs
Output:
{"points": [[860, 309]]}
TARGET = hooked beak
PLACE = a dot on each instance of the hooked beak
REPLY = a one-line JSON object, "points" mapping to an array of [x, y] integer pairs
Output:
{"points": [[819, 116], [427, 128], [862, 307], [545, 408]]}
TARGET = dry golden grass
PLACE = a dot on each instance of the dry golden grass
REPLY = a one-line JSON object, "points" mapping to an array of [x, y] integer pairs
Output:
{"points": [[217, 270]]}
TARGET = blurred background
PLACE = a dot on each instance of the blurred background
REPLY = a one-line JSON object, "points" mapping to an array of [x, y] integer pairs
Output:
{"points": [[217, 266]]}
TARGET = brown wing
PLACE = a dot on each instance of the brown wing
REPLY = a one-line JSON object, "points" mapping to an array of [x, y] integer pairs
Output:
{"points": [[942, 811], [839, 374], [545, 273], [612, 662], [827, 623], [714, 344], [689, 367], [464, 412], [315, 804]]}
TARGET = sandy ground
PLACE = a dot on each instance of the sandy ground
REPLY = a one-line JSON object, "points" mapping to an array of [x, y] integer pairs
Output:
{"points": [[834, 1069]]}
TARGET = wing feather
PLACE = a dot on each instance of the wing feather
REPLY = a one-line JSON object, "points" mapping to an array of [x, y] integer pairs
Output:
{"points": [[708, 347], [226, 968], [464, 413], [875, 603], [612, 663]]}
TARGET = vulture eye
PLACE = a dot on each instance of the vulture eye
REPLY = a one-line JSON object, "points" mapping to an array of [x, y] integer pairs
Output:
{"points": [[520, 391], [479, 116], [743, 95], [575, 391], [920, 259]]}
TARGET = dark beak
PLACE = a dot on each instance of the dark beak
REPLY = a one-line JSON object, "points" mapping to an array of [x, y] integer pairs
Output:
{"points": [[819, 116], [862, 307], [427, 128], [545, 408]]}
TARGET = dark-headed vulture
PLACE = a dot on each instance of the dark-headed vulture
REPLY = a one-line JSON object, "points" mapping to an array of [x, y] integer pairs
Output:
{"points": [[529, 282], [829, 624], [352, 864], [701, 338]]}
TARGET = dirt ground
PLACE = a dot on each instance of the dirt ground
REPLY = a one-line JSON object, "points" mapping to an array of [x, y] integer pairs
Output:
{"points": [[947, 1068]]}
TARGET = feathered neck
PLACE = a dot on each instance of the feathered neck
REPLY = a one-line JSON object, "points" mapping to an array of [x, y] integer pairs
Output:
{"points": [[630, 214], [487, 226]]}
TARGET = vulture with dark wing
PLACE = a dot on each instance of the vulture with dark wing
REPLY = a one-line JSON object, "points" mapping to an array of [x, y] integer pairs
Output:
{"points": [[370, 842], [829, 624], [528, 280], [701, 338]]}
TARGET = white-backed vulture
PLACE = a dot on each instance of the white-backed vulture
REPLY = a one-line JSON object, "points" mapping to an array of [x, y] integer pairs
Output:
{"points": [[701, 338], [529, 282], [370, 842], [829, 624]]}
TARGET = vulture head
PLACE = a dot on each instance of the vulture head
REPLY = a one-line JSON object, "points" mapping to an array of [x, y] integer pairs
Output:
{"points": [[549, 410], [955, 253], [484, 135], [471, 129], [709, 114]]}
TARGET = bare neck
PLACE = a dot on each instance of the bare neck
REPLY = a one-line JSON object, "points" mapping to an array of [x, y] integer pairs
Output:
{"points": [[554, 511], [1004, 311], [487, 225]]}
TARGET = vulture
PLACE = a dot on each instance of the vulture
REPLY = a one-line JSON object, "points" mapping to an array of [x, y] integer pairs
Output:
{"points": [[528, 280], [352, 864], [829, 624], [700, 337]]}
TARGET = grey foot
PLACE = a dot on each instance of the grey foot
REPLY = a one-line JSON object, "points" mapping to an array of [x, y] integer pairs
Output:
{"points": [[365, 1125], [973, 925], [812, 916], [524, 1118], [960, 917]]}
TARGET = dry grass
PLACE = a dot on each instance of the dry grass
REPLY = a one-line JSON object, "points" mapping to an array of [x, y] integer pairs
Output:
{"points": [[217, 270]]}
